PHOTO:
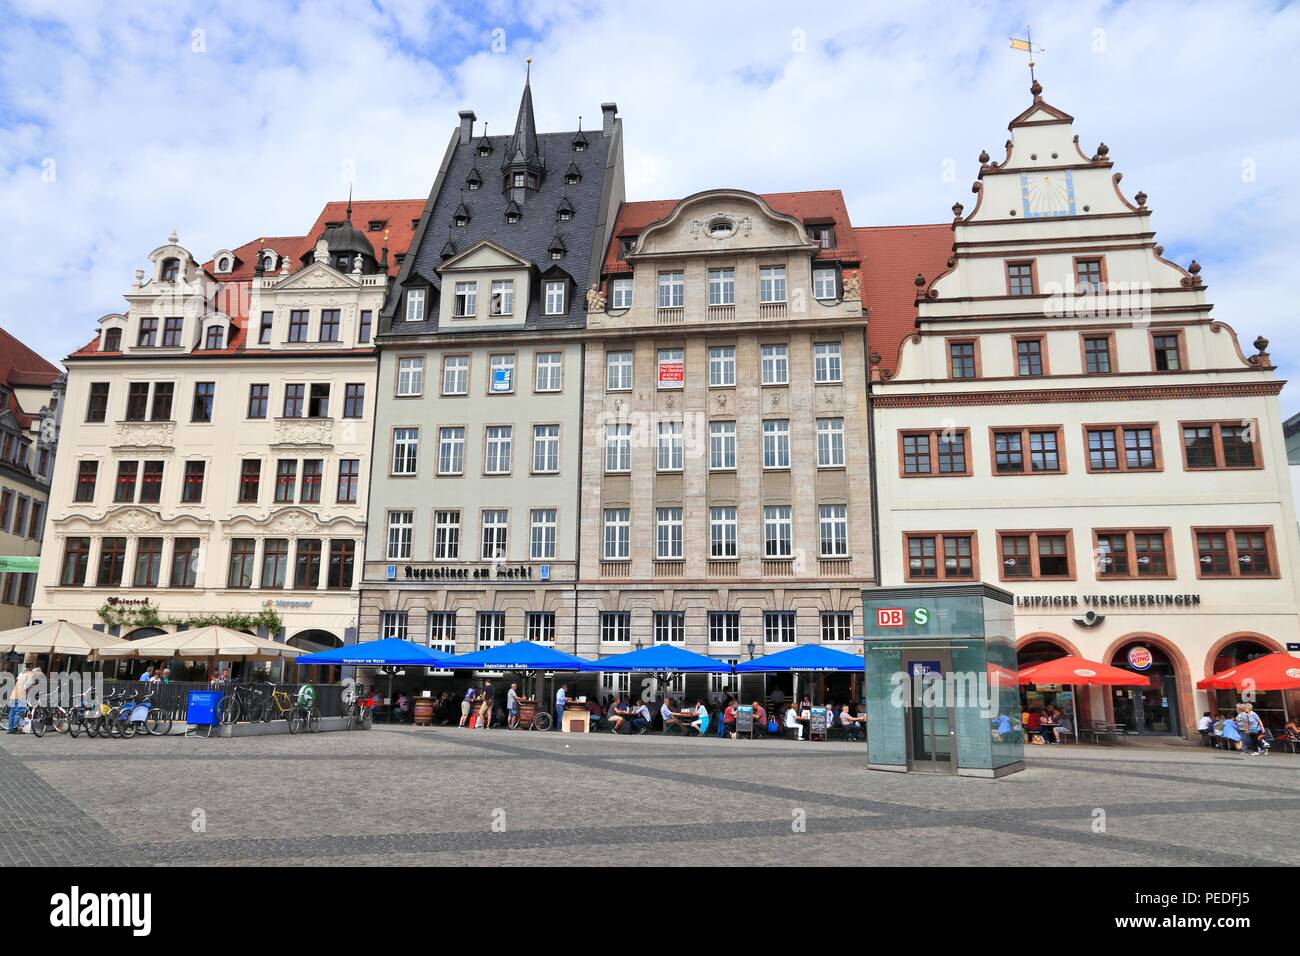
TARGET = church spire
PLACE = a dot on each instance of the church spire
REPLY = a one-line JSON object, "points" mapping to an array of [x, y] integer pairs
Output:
{"points": [[523, 148]]}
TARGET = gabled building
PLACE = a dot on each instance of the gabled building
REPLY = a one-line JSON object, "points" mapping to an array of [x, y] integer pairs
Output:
{"points": [[1057, 412], [31, 394], [222, 430], [474, 513]]}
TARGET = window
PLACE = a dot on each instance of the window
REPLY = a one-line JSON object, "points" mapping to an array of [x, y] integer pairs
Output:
{"points": [[1235, 552], [124, 489], [670, 627], [833, 527], [671, 368], [776, 443], [112, 562], [306, 576], [547, 371], [1027, 451], [392, 625], [401, 527], [837, 626], [329, 325], [137, 401], [497, 449], [1029, 357], [265, 324], [275, 562], [541, 626], [406, 443], [1089, 277], [722, 446], [1096, 355], [172, 331], [924, 549], [313, 474], [243, 552], [771, 284], [97, 402], [148, 562], [775, 363], [668, 534], [1166, 351], [338, 575], [185, 563], [617, 536], [250, 480], [502, 374], [618, 371], [778, 541], [205, 394], [286, 480], [555, 298], [365, 325], [161, 408], [494, 535], [112, 340], [779, 627], [148, 335], [724, 627], [258, 398], [1133, 554], [171, 270], [620, 294], [722, 286], [318, 401], [824, 236], [76, 558], [1219, 445], [298, 322], [672, 290], [451, 451], [824, 285], [722, 532], [615, 627], [830, 443], [415, 305], [671, 451], [503, 297], [410, 376], [455, 375], [491, 627], [827, 366], [442, 631], [546, 449], [87, 474], [943, 453], [542, 524], [354, 400], [1036, 554], [465, 302], [963, 359], [446, 535], [722, 366], [215, 337], [1020, 278], [618, 447]]}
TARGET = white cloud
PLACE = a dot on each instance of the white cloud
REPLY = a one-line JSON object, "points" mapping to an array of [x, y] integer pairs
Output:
{"points": [[251, 136]]}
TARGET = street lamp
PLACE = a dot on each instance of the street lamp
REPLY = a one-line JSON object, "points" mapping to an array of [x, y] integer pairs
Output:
{"points": [[751, 650]]}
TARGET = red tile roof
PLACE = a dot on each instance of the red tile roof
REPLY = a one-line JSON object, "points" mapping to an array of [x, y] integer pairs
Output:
{"points": [[891, 258], [813, 206], [21, 367]]}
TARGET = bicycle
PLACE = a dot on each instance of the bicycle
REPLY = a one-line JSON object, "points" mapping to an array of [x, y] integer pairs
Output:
{"points": [[278, 706], [81, 716], [360, 712], [241, 702]]}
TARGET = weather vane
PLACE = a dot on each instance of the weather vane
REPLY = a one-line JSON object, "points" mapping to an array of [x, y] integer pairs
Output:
{"points": [[1028, 45]]}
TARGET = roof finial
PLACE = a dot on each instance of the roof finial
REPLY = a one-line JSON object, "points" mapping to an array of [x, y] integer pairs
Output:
{"points": [[528, 70], [1027, 44], [348, 215]]}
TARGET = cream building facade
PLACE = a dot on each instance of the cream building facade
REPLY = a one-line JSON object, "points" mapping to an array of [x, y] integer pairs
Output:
{"points": [[1066, 419]]}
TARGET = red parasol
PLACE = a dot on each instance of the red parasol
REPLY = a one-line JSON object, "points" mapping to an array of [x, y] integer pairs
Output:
{"points": [[1078, 670], [1276, 671]]}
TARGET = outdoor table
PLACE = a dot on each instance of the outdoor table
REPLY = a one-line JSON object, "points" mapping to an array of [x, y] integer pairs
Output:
{"points": [[577, 718]]}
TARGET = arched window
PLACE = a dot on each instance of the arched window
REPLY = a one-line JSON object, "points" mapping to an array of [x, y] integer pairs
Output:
{"points": [[112, 340], [171, 270], [216, 337], [223, 264], [268, 262]]}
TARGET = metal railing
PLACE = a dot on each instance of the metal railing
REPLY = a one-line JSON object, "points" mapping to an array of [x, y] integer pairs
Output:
{"points": [[174, 696]]}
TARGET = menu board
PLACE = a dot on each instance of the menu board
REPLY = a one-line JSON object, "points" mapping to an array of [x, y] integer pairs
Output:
{"points": [[817, 723], [745, 719]]}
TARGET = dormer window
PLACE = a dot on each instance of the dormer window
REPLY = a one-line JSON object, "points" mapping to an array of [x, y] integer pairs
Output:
{"points": [[824, 236], [519, 180], [415, 305], [268, 262], [722, 228], [112, 340], [557, 254], [171, 270], [376, 225], [473, 180], [462, 220], [626, 245], [484, 148], [580, 142], [557, 248], [223, 264], [512, 217], [513, 212], [215, 338], [572, 176], [565, 210], [461, 216], [342, 262], [448, 250]]}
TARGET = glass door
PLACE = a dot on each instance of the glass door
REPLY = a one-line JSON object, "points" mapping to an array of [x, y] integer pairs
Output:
{"points": [[931, 729]]}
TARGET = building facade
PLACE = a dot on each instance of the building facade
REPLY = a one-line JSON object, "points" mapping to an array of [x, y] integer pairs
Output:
{"points": [[725, 474], [31, 395], [474, 515], [222, 428], [1057, 412]]}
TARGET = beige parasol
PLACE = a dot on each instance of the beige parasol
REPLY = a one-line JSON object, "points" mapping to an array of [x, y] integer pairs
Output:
{"points": [[60, 637], [222, 643]]}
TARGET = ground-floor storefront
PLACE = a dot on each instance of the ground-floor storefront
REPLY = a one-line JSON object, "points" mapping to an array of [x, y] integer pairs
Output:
{"points": [[1174, 650]]}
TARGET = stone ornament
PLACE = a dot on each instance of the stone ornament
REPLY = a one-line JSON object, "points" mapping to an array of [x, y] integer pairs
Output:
{"points": [[595, 299], [852, 285]]}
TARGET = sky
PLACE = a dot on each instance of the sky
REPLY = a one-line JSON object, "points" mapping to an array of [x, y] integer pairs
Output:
{"points": [[229, 120]]}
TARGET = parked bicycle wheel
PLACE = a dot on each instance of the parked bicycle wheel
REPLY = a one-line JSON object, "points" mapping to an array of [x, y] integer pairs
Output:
{"points": [[40, 721], [367, 718], [313, 718], [229, 709], [125, 725], [295, 720], [542, 721], [59, 720], [159, 722]]}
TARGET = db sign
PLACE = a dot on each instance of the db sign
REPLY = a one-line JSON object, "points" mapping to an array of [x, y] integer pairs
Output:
{"points": [[889, 617]]}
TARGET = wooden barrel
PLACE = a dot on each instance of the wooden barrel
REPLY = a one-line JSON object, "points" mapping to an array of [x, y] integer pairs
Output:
{"points": [[423, 711], [527, 711]]}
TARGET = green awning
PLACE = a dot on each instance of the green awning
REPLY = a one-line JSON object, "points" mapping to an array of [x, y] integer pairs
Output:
{"points": [[19, 564]]}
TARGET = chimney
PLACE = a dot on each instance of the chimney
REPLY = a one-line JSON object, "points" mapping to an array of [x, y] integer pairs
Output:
{"points": [[467, 119], [608, 112]]}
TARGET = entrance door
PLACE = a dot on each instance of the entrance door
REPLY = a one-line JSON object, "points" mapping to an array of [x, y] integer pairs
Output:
{"points": [[931, 729]]}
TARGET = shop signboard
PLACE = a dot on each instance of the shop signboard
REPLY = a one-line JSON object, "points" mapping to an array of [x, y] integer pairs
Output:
{"points": [[1140, 658], [745, 720], [817, 723], [672, 369], [203, 707]]}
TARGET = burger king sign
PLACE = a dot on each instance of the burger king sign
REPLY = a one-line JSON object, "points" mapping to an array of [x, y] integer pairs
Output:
{"points": [[1139, 657]]}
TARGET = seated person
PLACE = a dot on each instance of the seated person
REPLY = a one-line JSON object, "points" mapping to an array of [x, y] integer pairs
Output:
{"points": [[640, 718], [666, 713], [792, 723], [852, 725], [760, 718], [701, 721], [729, 719], [1291, 731], [616, 714]]}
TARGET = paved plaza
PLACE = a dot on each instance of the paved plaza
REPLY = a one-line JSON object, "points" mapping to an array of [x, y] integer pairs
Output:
{"points": [[445, 796]]}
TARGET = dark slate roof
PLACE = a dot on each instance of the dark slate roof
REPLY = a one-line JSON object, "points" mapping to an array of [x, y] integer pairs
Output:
{"points": [[530, 238]]}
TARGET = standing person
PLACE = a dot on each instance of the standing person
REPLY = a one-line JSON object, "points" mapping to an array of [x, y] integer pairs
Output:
{"points": [[466, 703], [18, 702], [1205, 727], [485, 711], [512, 706], [561, 696], [1256, 727], [1243, 729]]}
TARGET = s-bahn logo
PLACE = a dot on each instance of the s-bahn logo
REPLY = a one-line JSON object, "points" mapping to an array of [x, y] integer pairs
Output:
{"points": [[1139, 658], [889, 617]]}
